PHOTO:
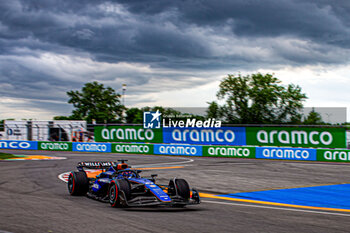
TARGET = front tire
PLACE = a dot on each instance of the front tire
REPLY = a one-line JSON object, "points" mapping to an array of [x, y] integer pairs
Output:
{"points": [[78, 183], [115, 191], [181, 188]]}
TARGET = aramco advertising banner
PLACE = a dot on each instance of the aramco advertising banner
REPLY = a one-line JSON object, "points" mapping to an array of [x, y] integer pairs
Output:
{"points": [[305, 154], [20, 145], [127, 134], [204, 136], [229, 151], [132, 148], [296, 137], [231, 136], [333, 155], [55, 146]]}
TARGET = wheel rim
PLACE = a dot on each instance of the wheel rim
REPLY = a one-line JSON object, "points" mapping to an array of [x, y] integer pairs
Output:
{"points": [[113, 195]]}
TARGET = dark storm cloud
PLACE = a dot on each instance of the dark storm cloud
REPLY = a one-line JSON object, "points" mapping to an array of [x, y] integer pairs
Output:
{"points": [[41, 41], [158, 31], [310, 19]]}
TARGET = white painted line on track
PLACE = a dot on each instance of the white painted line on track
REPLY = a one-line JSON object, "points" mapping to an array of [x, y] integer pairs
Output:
{"points": [[170, 163], [275, 208], [318, 164], [218, 171], [63, 175]]}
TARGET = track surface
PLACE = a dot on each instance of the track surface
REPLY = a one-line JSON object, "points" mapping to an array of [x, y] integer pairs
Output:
{"points": [[33, 199]]}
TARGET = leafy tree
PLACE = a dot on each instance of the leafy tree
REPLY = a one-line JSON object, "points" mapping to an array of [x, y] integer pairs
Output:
{"points": [[62, 118], [260, 99], [134, 116], [96, 102], [214, 110], [170, 113], [314, 118], [2, 125]]}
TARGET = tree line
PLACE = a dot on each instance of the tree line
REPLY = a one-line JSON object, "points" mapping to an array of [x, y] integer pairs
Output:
{"points": [[251, 99]]}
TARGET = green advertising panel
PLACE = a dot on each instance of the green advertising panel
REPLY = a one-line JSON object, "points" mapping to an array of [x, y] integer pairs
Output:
{"points": [[131, 148], [127, 134], [229, 151], [296, 137], [56, 146], [329, 155]]}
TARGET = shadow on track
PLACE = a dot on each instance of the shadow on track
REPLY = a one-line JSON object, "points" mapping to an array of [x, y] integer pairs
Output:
{"points": [[163, 209]]}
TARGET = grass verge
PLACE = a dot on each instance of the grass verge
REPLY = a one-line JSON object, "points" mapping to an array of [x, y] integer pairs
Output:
{"points": [[6, 156]]}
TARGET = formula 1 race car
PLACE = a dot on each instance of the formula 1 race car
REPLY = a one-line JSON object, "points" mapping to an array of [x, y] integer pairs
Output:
{"points": [[122, 186]]}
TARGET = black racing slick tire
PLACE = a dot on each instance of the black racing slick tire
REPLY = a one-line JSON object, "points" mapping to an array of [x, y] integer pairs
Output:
{"points": [[180, 187], [78, 183], [183, 189], [115, 191]]}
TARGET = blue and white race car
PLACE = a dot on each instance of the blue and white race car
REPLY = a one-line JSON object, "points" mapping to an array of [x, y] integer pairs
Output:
{"points": [[122, 186]]}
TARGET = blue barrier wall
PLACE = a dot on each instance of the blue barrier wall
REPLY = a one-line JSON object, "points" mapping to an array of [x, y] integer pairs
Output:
{"points": [[279, 153]]}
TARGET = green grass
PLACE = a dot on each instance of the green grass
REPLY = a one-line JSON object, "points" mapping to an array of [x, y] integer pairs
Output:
{"points": [[6, 156]]}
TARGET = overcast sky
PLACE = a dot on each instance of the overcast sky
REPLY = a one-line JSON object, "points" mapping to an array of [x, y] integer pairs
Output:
{"points": [[168, 52]]}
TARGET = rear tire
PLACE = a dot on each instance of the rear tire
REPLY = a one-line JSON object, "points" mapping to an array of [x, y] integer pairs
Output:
{"points": [[78, 183], [115, 191]]}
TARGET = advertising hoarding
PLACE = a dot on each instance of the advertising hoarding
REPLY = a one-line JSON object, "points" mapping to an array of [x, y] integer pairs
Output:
{"points": [[327, 155], [191, 150], [285, 153], [55, 146], [132, 148], [296, 137], [127, 134], [20, 145], [204, 136], [91, 147], [229, 151]]}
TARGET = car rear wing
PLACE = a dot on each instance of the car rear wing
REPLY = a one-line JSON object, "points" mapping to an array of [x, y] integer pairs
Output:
{"points": [[103, 164], [97, 164]]}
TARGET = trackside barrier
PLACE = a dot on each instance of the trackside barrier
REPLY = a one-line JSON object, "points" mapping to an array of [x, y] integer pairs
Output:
{"points": [[55, 146], [132, 148], [21, 145], [285, 153], [229, 151], [172, 149], [278, 153], [92, 147], [333, 155], [307, 137]]}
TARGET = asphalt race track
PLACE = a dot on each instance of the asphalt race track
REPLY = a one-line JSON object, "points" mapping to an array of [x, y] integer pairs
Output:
{"points": [[33, 199]]}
